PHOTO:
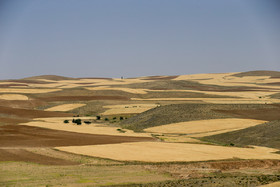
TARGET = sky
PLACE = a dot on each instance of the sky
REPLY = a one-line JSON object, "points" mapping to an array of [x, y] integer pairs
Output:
{"points": [[132, 38]]}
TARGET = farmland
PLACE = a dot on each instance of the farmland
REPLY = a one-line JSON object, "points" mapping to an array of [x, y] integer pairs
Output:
{"points": [[218, 128]]}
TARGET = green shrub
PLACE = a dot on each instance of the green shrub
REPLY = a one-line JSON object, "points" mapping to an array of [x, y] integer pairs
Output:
{"points": [[77, 121], [66, 121], [87, 122], [121, 131]]}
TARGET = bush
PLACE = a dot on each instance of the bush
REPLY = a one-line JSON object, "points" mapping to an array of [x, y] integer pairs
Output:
{"points": [[87, 122], [106, 119], [121, 118], [98, 117], [121, 131], [77, 121], [114, 118], [66, 121]]}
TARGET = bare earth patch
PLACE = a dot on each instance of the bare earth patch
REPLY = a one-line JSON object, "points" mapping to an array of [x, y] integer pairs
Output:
{"points": [[170, 152], [13, 97], [65, 107], [200, 127]]}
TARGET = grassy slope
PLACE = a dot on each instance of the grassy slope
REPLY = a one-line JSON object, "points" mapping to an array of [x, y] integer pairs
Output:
{"points": [[184, 112], [275, 96], [258, 73], [179, 85], [266, 134]]}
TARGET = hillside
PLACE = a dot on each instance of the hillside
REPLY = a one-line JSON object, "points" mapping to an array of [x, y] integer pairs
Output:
{"points": [[273, 74], [188, 112], [50, 77], [266, 134]]}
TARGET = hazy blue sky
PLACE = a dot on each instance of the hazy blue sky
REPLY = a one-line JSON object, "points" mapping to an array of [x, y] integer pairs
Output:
{"points": [[113, 38]]}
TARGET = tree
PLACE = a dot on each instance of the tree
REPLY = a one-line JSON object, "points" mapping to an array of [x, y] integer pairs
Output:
{"points": [[78, 121], [87, 122], [98, 117]]}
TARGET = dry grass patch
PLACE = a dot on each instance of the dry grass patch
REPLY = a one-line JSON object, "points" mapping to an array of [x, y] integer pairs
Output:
{"points": [[228, 79], [216, 100], [58, 124], [13, 97], [170, 152], [129, 90], [65, 107], [15, 90], [200, 127], [274, 184], [27, 174], [128, 109]]}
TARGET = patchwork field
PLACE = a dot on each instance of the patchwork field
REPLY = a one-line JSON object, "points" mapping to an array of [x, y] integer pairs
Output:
{"points": [[220, 128], [171, 152], [202, 128]]}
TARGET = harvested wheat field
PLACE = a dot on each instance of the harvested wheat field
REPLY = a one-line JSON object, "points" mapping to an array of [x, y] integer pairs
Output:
{"points": [[205, 127], [13, 97], [166, 127], [129, 90], [31, 91], [171, 152], [65, 107], [95, 128]]}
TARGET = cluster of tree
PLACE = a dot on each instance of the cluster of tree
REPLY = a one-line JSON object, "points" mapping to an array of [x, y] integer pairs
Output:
{"points": [[77, 121]]}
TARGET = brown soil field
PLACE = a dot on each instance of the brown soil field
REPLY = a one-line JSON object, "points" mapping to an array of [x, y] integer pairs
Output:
{"points": [[65, 107], [268, 114], [201, 168], [11, 154], [27, 104], [12, 120], [11, 85], [26, 136], [29, 113]]}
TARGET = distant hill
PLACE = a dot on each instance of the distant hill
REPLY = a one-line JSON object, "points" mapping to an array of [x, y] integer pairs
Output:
{"points": [[188, 112], [273, 74], [266, 134], [49, 77]]}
